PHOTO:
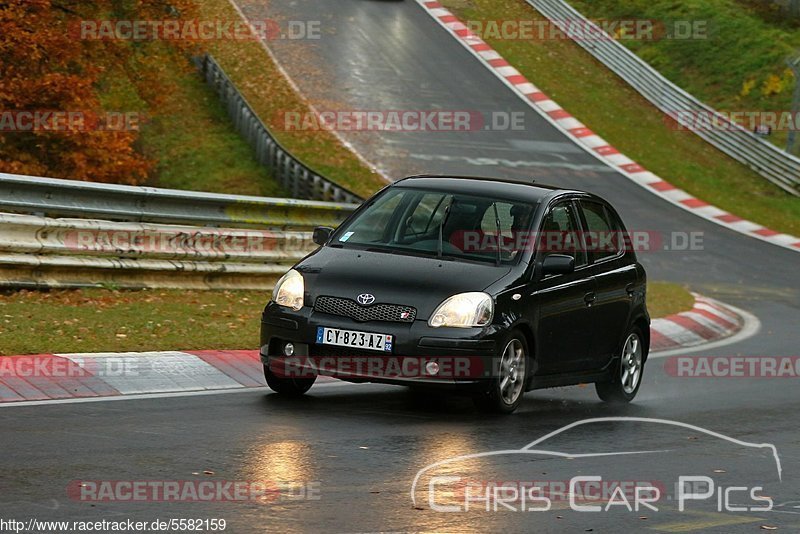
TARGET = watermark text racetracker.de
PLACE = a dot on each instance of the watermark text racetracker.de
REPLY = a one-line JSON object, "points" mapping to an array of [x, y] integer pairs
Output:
{"points": [[578, 29], [174, 524], [214, 490], [196, 30], [26, 367], [386, 367], [399, 120], [758, 121], [43, 120], [15, 368], [482, 242], [456, 491], [732, 366], [207, 240]]}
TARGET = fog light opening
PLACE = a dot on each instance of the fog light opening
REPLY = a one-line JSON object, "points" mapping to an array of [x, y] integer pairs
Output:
{"points": [[288, 349], [432, 368]]}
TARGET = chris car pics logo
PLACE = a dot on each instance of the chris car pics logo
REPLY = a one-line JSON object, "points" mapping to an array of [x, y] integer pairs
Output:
{"points": [[454, 491]]}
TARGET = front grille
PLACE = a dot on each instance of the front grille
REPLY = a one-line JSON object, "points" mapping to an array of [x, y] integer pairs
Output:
{"points": [[392, 313]]}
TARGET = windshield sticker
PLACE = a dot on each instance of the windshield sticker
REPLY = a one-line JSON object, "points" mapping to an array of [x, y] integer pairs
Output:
{"points": [[346, 236]]}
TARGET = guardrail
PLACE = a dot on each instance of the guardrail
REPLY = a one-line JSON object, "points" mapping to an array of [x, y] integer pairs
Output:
{"points": [[777, 166], [54, 197], [296, 177], [38, 251], [134, 237]]}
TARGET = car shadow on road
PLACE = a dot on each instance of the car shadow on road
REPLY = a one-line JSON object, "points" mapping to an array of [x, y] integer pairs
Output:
{"points": [[405, 402]]}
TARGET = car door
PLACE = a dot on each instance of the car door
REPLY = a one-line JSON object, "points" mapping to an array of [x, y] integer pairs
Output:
{"points": [[614, 272], [562, 303]]}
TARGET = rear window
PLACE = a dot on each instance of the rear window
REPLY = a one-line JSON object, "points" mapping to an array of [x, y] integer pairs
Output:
{"points": [[560, 233], [602, 237]]}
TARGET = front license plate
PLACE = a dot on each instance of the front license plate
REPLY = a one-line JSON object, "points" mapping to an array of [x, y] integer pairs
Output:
{"points": [[354, 339]]}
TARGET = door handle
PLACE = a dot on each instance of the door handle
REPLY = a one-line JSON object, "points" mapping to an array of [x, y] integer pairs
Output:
{"points": [[630, 289], [589, 298]]}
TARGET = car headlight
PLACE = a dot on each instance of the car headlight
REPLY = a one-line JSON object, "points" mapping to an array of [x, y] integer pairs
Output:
{"points": [[289, 290], [464, 310]]}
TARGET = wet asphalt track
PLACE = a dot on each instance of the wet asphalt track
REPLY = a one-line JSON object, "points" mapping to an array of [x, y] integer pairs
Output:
{"points": [[363, 445]]}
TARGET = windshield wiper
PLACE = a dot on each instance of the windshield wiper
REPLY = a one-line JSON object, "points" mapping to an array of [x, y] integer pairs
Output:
{"points": [[409, 252]]}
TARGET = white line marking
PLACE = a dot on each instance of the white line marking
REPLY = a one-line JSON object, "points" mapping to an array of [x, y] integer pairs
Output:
{"points": [[664, 422], [527, 88], [547, 105], [302, 97], [708, 323], [145, 396], [490, 54], [713, 309], [159, 372], [570, 123], [507, 71], [677, 333]]}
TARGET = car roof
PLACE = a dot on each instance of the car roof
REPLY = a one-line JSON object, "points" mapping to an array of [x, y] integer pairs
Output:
{"points": [[481, 186]]}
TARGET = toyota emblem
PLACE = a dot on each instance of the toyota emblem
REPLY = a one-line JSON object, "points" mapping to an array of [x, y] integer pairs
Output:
{"points": [[365, 299]]}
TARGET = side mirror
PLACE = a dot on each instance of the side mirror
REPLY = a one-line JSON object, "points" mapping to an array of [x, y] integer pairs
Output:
{"points": [[558, 264], [322, 234]]}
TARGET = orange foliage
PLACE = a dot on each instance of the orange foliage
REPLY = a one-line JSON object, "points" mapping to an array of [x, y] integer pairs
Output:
{"points": [[45, 67]]}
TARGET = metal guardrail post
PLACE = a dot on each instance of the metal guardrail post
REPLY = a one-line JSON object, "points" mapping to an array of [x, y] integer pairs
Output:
{"points": [[88, 200], [794, 64], [287, 169]]}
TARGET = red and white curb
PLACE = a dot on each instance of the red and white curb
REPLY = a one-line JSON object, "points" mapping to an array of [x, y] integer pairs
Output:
{"points": [[60, 378], [590, 141], [84, 377], [708, 322]]}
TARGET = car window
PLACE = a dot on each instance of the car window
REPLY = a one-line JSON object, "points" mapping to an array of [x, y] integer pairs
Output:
{"points": [[425, 215], [601, 237], [372, 225], [560, 233], [489, 222]]}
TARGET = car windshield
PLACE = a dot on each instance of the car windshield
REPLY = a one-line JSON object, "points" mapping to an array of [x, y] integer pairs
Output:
{"points": [[440, 223]]}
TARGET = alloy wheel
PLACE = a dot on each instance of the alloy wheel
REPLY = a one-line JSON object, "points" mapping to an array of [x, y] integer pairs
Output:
{"points": [[512, 372], [631, 365]]}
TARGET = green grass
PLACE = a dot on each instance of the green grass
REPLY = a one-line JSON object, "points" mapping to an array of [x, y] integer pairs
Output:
{"points": [[101, 320], [189, 134], [626, 120], [664, 298], [738, 65], [95, 320]]}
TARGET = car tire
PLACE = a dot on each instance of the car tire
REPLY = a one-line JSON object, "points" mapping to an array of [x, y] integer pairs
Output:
{"points": [[627, 372], [290, 387], [506, 390]]}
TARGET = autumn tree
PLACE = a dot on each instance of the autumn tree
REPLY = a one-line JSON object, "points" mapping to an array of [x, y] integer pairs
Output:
{"points": [[46, 68]]}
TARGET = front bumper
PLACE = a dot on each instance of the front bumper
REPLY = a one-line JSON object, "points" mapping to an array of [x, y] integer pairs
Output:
{"points": [[466, 357]]}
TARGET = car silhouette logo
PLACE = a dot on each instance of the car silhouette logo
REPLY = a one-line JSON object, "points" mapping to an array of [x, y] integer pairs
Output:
{"points": [[365, 299]]}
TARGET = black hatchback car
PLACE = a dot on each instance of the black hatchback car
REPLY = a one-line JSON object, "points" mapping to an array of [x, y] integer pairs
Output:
{"points": [[484, 286]]}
